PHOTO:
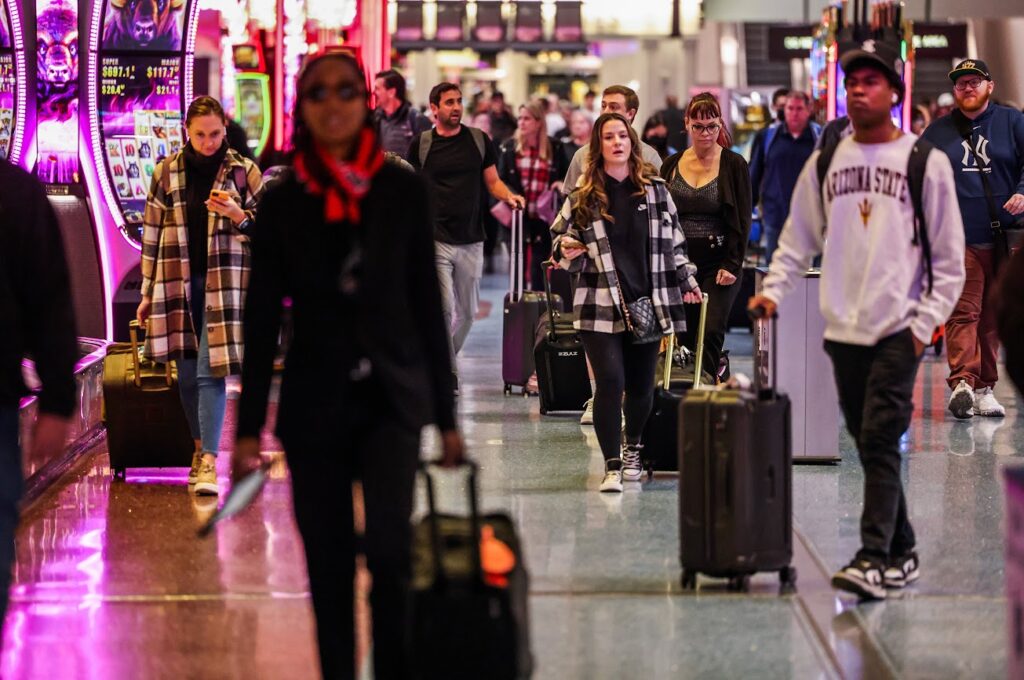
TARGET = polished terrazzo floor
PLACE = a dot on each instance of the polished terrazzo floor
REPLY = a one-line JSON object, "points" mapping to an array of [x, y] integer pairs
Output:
{"points": [[112, 583]]}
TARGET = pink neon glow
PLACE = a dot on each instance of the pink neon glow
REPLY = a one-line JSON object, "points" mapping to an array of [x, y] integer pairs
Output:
{"points": [[20, 94]]}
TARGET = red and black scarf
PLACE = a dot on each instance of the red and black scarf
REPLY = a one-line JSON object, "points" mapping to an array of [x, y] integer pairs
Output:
{"points": [[342, 183]]}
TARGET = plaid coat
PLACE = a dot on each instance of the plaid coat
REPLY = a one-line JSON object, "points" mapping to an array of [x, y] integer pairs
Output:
{"points": [[597, 303], [166, 272]]}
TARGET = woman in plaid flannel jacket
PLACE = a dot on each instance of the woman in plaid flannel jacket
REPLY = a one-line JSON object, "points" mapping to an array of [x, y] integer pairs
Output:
{"points": [[620, 232], [193, 290], [532, 165]]}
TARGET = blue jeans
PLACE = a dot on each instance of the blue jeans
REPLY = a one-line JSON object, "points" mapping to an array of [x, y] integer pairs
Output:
{"points": [[203, 396], [10, 494]]}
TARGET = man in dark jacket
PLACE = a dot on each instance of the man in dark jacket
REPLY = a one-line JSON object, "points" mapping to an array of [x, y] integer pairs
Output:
{"points": [[35, 305], [985, 144], [397, 120]]}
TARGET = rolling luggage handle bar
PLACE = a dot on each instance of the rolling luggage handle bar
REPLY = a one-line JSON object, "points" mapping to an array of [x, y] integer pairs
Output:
{"points": [[698, 366], [440, 577], [757, 314], [550, 303], [133, 334], [516, 273]]}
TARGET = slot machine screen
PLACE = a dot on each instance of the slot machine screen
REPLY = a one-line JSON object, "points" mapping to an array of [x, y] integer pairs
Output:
{"points": [[140, 107]]}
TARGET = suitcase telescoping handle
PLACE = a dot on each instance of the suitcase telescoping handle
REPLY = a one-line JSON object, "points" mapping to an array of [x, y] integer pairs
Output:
{"points": [[435, 531], [758, 315], [701, 328], [666, 373], [133, 335], [516, 273], [550, 303]]}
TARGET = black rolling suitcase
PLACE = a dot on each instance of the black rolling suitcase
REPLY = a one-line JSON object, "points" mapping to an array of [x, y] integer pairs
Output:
{"points": [[561, 362], [660, 440], [735, 485], [469, 622], [522, 311], [142, 411]]}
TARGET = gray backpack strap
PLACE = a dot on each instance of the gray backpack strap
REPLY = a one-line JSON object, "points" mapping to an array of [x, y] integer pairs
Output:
{"points": [[481, 141], [426, 139]]}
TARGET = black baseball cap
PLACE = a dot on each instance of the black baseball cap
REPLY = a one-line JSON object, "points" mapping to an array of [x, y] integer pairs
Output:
{"points": [[968, 67], [876, 53]]}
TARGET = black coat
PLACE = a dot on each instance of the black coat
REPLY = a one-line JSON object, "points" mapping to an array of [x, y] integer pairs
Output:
{"points": [[36, 313], [734, 189], [396, 319]]}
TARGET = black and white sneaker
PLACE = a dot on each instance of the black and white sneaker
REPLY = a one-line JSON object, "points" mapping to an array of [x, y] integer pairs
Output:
{"points": [[861, 577], [632, 467], [902, 571], [612, 482]]}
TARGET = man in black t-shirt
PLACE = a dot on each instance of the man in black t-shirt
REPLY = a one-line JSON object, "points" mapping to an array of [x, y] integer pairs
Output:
{"points": [[458, 161]]}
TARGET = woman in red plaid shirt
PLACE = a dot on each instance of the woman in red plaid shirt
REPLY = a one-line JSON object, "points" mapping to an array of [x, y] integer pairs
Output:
{"points": [[530, 165]]}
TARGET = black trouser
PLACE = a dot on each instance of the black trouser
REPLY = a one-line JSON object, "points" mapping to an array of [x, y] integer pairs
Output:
{"points": [[876, 386], [708, 259], [620, 366], [384, 454], [538, 235]]}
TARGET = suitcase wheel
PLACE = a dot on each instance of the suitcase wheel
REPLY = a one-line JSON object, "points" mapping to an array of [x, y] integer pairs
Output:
{"points": [[508, 389], [689, 580], [787, 580], [649, 466], [740, 584]]}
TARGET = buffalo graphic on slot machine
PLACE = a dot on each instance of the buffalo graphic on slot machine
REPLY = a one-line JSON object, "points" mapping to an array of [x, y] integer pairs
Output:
{"points": [[57, 50], [57, 92], [144, 24]]}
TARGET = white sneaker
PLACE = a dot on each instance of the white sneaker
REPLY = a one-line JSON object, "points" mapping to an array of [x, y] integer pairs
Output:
{"points": [[632, 468], [588, 413], [612, 482], [985, 404], [961, 402]]}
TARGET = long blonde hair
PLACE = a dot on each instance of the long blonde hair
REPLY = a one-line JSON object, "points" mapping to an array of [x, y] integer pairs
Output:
{"points": [[536, 112], [590, 199]]}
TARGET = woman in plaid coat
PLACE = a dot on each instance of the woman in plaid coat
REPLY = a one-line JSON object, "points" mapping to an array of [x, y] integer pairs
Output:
{"points": [[619, 230], [195, 268], [532, 165]]}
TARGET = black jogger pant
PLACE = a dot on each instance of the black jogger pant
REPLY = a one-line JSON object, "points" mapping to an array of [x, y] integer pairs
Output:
{"points": [[384, 454], [876, 386]]}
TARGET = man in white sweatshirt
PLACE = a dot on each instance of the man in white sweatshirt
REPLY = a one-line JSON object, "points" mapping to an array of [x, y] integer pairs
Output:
{"points": [[879, 302]]}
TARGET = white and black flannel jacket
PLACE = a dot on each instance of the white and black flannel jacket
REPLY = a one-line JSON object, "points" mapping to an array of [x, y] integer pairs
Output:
{"points": [[596, 303]]}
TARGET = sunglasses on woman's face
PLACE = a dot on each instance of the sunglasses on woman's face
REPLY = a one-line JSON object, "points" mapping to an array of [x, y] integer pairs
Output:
{"points": [[346, 92]]}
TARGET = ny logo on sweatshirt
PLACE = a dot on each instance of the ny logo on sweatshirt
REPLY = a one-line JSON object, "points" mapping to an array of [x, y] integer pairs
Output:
{"points": [[970, 161]]}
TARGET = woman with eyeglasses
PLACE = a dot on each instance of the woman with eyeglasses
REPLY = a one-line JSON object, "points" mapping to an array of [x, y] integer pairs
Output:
{"points": [[711, 188], [195, 263], [619, 231], [347, 237], [531, 165]]}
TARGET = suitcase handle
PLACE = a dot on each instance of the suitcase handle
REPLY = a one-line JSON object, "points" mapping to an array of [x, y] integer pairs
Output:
{"points": [[698, 366], [133, 334], [441, 577], [757, 315], [666, 373], [551, 306], [516, 273]]}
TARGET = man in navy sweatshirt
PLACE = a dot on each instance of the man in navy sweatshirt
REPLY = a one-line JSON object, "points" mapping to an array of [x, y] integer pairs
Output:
{"points": [[985, 144]]}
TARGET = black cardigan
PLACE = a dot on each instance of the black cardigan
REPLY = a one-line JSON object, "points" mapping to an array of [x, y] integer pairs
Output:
{"points": [[35, 295], [734, 188], [397, 319]]}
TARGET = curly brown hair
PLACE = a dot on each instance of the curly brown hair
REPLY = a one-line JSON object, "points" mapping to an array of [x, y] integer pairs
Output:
{"points": [[589, 199]]}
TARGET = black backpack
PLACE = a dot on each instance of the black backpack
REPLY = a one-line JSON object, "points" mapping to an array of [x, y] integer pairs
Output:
{"points": [[916, 165]]}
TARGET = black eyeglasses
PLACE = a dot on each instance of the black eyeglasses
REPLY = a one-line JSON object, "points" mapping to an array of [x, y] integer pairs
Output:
{"points": [[346, 92], [699, 129], [973, 84]]}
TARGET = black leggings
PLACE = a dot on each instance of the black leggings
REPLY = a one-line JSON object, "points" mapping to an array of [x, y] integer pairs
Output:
{"points": [[384, 454], [720, 301], [620, 366]]}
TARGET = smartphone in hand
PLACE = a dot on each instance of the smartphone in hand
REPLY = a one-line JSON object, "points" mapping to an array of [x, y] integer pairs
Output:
{"points": [[220, 195]]}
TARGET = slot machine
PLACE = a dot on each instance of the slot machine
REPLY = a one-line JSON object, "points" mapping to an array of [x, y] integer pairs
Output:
{"points": [[13, 99], [252, 94], [139, 80]]}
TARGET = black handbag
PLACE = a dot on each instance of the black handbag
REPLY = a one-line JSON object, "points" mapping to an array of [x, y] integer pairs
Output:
{"points": [[641, 320]]}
